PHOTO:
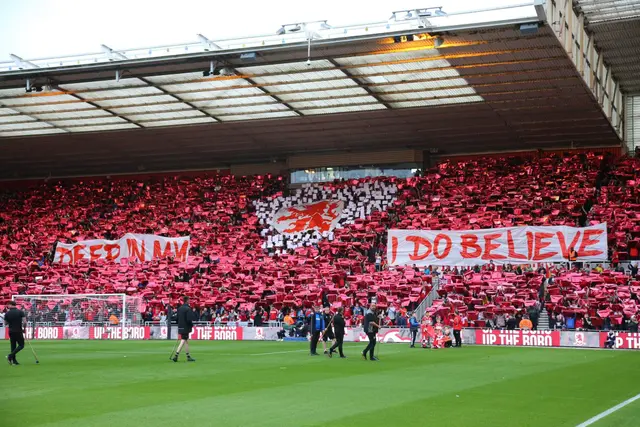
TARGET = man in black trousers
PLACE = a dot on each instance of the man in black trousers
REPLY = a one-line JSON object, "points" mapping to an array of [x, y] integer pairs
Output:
{"points": [[185, 325], [317, 327], [338, 329], [371, 328], [327, 334], [16, 321]]}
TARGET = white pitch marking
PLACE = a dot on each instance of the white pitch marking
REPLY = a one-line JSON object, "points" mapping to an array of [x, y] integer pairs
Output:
{"points": [[609, 411]]}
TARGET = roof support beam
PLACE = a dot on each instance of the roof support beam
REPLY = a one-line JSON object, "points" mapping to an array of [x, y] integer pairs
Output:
{"points": [[22, 63], [112, 54], [356, 81], [208, 44]]}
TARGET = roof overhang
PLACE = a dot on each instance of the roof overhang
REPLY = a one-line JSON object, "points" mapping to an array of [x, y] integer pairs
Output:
{"points": [[493, 86]]}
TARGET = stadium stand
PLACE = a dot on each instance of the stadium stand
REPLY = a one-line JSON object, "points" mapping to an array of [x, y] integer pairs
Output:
{"points": [[238, 260]]}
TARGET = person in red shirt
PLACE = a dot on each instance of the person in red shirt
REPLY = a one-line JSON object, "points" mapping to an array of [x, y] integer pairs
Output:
{"points": [[273, 316], [457, 328]]}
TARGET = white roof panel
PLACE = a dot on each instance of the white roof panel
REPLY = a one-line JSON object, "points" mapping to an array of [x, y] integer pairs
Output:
{"points": [[94, 112], [39, 98], [11, 93], [423, 86], [426, 54], [183, 114], [301, 77], [87, 122], [248, 109], [132, 92], [24, 125], [219, 94], [434, 102], [433, 69], [313, 86], [174, 78], [334, 102], [118, 126], [347, 109], [285, 68], [32, 132], [198, 120], [135, 101], [279, 114], [15, 118], [7, 111], [177, 105], [417, 95], [301, 96], [103, 84], [231, 102], [52, 108], [205, 84]]}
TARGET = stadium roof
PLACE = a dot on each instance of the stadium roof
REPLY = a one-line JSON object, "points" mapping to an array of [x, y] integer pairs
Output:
{"points": [[615, 25], [459, 86]]}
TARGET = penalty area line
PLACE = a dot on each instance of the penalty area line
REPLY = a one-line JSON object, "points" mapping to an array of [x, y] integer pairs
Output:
{"points": [[609, 411]]}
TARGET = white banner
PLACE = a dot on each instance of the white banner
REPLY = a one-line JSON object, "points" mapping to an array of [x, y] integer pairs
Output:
{"points": [[322, 216], [137, 247], [513, 245]]}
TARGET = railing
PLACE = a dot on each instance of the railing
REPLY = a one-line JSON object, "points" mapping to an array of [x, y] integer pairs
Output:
{"points": [[428, 300]]}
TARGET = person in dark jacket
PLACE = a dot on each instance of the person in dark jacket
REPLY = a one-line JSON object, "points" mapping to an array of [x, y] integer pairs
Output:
{"points": [[185, 326], [258, 319], [327, 334], [16, 323], [371, 327], [338, 329], [317, 326], [414, 325]]}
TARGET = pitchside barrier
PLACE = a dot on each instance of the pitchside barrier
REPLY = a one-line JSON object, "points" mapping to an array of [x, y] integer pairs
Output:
{"points": [[470, 336]]}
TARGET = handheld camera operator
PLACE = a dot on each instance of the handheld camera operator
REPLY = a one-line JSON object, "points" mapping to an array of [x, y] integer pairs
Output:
{"points": [[16, 322], [185, 325], [371, 328]]}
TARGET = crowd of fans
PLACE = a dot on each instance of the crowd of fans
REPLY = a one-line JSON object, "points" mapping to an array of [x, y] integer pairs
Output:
{"points": [[238, 268]]}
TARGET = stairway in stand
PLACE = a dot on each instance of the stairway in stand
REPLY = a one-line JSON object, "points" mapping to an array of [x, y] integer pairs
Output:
{"points": [[543, 320]]}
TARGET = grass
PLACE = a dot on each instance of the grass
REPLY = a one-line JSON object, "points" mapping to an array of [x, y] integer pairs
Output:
{"points": [[92, 383]]}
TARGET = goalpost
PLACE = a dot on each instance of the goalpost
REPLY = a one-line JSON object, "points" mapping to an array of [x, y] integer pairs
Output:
{"points": [[104, 311]]}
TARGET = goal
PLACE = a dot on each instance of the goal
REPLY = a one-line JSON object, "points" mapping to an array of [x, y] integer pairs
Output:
{"points": [[84, 316]]}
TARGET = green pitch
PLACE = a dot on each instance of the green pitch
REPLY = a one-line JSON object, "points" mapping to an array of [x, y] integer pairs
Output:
{"points": [[265, 384]]}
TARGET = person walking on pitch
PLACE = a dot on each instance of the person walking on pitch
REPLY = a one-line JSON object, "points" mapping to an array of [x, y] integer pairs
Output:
{"points": [[371, 328], [327, 334], [414, 325], [317, 327], [185, 325], [338, 329], [16, 321]]}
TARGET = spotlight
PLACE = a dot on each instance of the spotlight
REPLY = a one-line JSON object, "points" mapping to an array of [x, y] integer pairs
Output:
{"points": [[281, 31]]}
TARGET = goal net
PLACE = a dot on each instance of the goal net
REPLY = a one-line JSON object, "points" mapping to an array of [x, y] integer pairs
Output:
{"points": [[99, 316]]}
